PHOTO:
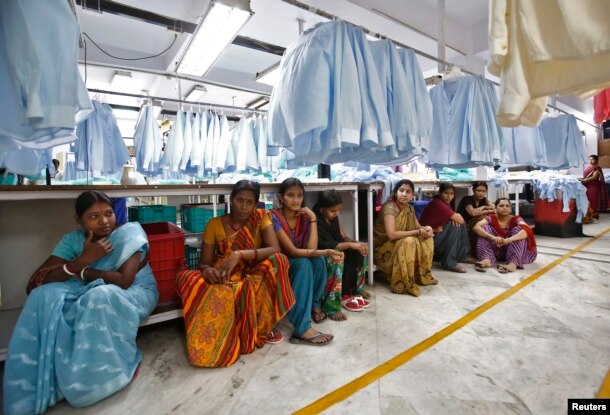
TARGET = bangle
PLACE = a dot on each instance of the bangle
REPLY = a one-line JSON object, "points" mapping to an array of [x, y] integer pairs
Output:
{"points": [[256, 255], [313, 221], [82, 272], [67, 270], [419, 232]]}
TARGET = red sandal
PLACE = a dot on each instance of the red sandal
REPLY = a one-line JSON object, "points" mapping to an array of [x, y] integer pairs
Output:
{"points": [[275, 336], [351, 304]]}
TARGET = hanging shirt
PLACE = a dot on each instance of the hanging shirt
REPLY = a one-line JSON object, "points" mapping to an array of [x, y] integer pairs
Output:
{"points": [[546, 47], [324, 116], [464, 132], [187, 139], [525, 146], [563, 140], [601, 106], [147, 142]]}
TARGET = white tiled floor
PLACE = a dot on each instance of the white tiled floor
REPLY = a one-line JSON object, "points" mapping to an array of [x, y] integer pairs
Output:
{"points": [[526, 355]]}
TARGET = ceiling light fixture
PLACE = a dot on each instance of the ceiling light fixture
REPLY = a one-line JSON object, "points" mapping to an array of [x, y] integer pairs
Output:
{"points": [[196, 93], [258, 102], [269, 76], [218, 27]]}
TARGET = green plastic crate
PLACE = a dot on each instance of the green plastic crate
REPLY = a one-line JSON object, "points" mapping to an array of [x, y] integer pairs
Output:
{"points": [[192, 256], [152, 213], [194, 217]]}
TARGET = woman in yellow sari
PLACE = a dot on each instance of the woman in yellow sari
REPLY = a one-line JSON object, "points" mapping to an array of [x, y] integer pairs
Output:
{"points": [[241, 289], [403, 248]]}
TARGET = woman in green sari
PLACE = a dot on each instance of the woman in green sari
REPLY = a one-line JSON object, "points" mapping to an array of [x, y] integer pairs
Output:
{"points": [[403, 248]]}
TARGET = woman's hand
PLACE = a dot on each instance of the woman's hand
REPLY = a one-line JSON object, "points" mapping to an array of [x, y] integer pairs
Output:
{"points": [[229, 264], [426, 232], [38, 278], [308, 212], [361, 247], [498, 240], [92, 251], [336, 256], [212, 275]]}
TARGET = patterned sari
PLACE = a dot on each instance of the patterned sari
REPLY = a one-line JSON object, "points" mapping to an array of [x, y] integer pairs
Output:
{"points": [[518, 252], [76, 340], [596, 191], [406, 261], [224, 321]]}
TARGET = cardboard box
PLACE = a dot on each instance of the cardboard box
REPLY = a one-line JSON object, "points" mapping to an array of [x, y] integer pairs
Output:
{"points": [[603, 147], [604, 161]]}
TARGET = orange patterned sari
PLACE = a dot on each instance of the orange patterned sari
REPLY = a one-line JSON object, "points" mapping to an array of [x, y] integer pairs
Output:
{"points": [[224, 321]]}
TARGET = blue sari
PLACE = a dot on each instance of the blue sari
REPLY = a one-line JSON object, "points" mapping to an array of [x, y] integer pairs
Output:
{"points": [[77, 340]]}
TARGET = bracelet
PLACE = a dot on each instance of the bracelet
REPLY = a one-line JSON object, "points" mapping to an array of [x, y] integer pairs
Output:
{"points": [[313, 221], [82, 272], [419, 232], [256, 255], [67, 270]]}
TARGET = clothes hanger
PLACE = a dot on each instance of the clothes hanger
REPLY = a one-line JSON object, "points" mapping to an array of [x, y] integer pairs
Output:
{"points": [[453, 73]]}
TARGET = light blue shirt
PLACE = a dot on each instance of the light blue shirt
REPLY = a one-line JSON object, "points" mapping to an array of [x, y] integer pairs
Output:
{"points": [[525, 146], [562, 135]]}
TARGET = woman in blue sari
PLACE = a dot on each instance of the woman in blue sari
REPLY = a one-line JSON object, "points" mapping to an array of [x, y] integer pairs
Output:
{"points": [[76, 336]]}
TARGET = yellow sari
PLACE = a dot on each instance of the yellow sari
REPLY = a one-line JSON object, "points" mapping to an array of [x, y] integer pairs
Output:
{"points": [[406, 261]]}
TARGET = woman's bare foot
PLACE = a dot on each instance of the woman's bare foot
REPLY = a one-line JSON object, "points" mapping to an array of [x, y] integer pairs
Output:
{"points": [[365, 294], [338, 316]]}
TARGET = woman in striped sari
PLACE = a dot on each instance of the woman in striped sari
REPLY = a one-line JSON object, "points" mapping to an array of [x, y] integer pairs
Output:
{"points": [[504, 238], [241, 289]]}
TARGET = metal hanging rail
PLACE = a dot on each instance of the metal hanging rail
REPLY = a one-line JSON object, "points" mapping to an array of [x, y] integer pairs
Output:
{"points": [[329, 16], [180, 101]]}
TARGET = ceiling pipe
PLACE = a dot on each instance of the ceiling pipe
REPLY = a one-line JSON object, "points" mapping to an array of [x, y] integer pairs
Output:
{"points": [[441, 37]]}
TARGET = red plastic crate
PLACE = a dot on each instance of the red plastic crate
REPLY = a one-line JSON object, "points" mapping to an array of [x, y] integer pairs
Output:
{"points": [[166, 256]]}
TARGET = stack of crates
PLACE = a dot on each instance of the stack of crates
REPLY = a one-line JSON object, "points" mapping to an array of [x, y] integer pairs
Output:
{"points": [[166, 256], [195, 216], [152, 213]]}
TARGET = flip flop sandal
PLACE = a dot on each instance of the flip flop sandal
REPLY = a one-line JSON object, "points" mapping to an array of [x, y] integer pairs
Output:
{"points": [[361, 301], [458, 268], [318, 317], [275, 337], [480, 267], [351, 304], [310, 341], [502, 269]]}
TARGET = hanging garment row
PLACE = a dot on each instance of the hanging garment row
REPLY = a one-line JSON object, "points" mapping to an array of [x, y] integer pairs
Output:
{"points": [[357, 100], [203, 144], [42, 91]]}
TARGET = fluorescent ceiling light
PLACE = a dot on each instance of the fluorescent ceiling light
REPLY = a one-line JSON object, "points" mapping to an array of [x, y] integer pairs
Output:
{"points": [[269, 76], [196, 93], [258, 102], [218, 28]]}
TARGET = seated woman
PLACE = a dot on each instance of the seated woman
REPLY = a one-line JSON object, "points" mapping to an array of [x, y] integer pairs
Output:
{"points": [[403, 248], [450, 234], [241, 289], [593, 180], [473, 209], [506, 238], [76, 336], [297, 232], [348, 291]]}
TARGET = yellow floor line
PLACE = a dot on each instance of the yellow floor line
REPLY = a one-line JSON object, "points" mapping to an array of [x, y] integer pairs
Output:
{"points": [[383, 369], [604, 389]]}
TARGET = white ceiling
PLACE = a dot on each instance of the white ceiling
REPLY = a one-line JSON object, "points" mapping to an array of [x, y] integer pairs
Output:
{"points": [[231, 81]]}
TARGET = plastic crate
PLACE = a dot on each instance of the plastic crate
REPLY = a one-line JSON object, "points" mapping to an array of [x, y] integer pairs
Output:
{"points": [[152, 213], [166, 256], [192, 256], [195, 216]]}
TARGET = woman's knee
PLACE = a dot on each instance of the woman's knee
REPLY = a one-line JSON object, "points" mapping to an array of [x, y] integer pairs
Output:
{"points": [[101, 294]]}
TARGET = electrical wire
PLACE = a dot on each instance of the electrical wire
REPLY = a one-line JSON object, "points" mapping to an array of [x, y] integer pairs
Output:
{"points": [[131, 59]]}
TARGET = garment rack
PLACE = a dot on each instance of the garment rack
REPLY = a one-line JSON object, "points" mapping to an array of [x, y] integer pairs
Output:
{"points": [[180, 101], [329, 16]]}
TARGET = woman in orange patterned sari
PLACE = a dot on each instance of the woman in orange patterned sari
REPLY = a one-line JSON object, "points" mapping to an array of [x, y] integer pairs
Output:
{"points": [[241, 289]]}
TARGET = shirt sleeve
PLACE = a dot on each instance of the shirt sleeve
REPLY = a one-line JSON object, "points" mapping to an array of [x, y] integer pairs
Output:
{"points": [[277, 225], [389, 209], [212, 231], [266, 222], [70, 246]]}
